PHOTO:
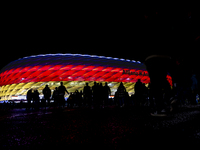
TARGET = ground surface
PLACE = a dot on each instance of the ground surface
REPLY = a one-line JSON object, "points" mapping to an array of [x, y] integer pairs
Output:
{"points": [[113, 128]]}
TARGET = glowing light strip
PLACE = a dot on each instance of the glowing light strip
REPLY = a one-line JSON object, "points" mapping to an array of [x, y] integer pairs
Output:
{"points": [[81, 55], [68, 73]]}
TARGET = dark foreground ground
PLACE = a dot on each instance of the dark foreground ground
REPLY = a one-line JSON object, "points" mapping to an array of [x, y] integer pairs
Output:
{"points": [[110, 128]]}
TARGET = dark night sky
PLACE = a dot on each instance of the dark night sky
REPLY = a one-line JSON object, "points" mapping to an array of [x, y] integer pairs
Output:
{"points": [[115, 32]]}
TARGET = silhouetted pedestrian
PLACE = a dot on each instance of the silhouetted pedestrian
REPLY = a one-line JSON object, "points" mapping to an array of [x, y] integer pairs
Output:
{"points": [[158, 68], [87, 95], [95, 93], [140, 91], [61, 90], [47, 94], [71, 100], [106, 93], [121, 93], [100, 95], [29, 97], [36, 99], [77, 98], [81, 97]]}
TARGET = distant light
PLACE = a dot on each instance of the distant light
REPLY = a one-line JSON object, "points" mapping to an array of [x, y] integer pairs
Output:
{"points": [[109, 57], [82, 55], [93, 55]]}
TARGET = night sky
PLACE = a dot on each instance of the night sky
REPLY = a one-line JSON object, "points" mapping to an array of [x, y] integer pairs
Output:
{"points": [[112, 31]]}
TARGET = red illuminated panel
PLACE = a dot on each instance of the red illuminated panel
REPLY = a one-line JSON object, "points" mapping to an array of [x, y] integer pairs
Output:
{"points": [[90, 73], [101, 73], [88, 68], [10, 71], [67, 73], [57, 73], [16, 70], [72, 73], [68, 67], [4, 73], [79, 67], [44, 68], [107, 75], [124, 76], [116, 75], [44, 74], [35, 74], [35, 68], [55, 68], [116, 69], [79, 73], [98, 68], [108, 69], [25, 69]]}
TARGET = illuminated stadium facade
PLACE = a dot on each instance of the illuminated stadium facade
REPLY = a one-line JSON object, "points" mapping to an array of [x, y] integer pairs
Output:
{"points": [[34, 72]]}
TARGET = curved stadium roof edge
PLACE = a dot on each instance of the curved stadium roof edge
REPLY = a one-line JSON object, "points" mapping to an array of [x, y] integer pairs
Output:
{"points": [[85, 59], [84, 55]]}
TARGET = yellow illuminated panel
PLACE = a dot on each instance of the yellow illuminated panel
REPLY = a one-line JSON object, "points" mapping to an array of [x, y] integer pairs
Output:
{"points": [[6, 92]]}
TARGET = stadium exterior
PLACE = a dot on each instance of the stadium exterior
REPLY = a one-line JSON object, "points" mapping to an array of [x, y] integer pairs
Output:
{"points": [[73, 69]]}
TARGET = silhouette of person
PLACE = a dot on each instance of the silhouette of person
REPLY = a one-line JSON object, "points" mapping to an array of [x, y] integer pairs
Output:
{"points": [[100, 94], [95, 93], [77, 98], [121, 91], [87, 95], [106, 93], [61, 90], [140, 90], [81, 98], [158, 67], [29, 97], [36, 99], [47, 94]]}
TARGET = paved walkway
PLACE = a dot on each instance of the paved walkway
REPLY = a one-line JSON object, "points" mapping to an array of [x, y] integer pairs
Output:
{"points": [[113, 128]]}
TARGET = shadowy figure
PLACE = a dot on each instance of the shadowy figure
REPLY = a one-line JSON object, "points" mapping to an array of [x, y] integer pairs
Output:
{"points": [[100, 94], [158, 67], [36, 99], [95, 93], [71, 100], [61, 90], [140, 91], [106, 93], [121, 94], [29, 97], [77, 98], [81, 97], [47, 94], [87, 95]]}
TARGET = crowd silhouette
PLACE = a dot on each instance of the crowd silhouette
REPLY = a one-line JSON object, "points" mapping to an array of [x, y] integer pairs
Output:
{"points": [[98, 96]]}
